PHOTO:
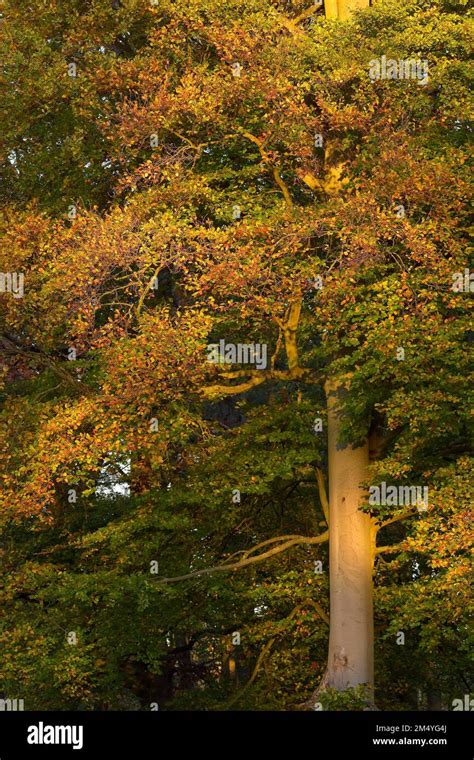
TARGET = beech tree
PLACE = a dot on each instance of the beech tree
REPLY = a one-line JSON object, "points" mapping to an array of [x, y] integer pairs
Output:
{"points": [[284, 187]]}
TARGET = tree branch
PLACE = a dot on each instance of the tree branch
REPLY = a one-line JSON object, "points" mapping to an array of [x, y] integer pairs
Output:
{"points": [[277, 350], [247, 552], [397, 518], [228, 390], [266, 160], [323, 493], [255, 548], [147, 287], [318, 609], [308, 12], [289, 327], [270, 643], [387, 549], [292, 24], [13, 347], [224, 567], [252, 678], [256, 377]]}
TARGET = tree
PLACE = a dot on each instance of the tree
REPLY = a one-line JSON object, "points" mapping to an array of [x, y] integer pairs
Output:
{"points": [[239, 181]]}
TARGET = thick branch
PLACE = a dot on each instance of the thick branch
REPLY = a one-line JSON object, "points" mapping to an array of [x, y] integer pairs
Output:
{"points": [[255, 548], [289, 327], [10, 346], [247, 552], [388, 549], [270, 643], [256, 377], [289, 332], [266, 160], [318, 609], [397, 518], [224, 567], [323, 493], [292, 24], [308, 12], [277, 350], [252, 678], [147, 287], [228, 390], [332, 181]]}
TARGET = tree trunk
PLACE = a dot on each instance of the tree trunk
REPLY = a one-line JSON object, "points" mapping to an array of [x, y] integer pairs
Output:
{"points": [[342, 9], [351, 537], [350, 658]]}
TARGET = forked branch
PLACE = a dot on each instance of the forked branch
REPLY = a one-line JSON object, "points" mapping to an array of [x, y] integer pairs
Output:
{"points": [[397, 518], [251, 560], [292, 24], [288, 328], [270, 642], [266, 160]]}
